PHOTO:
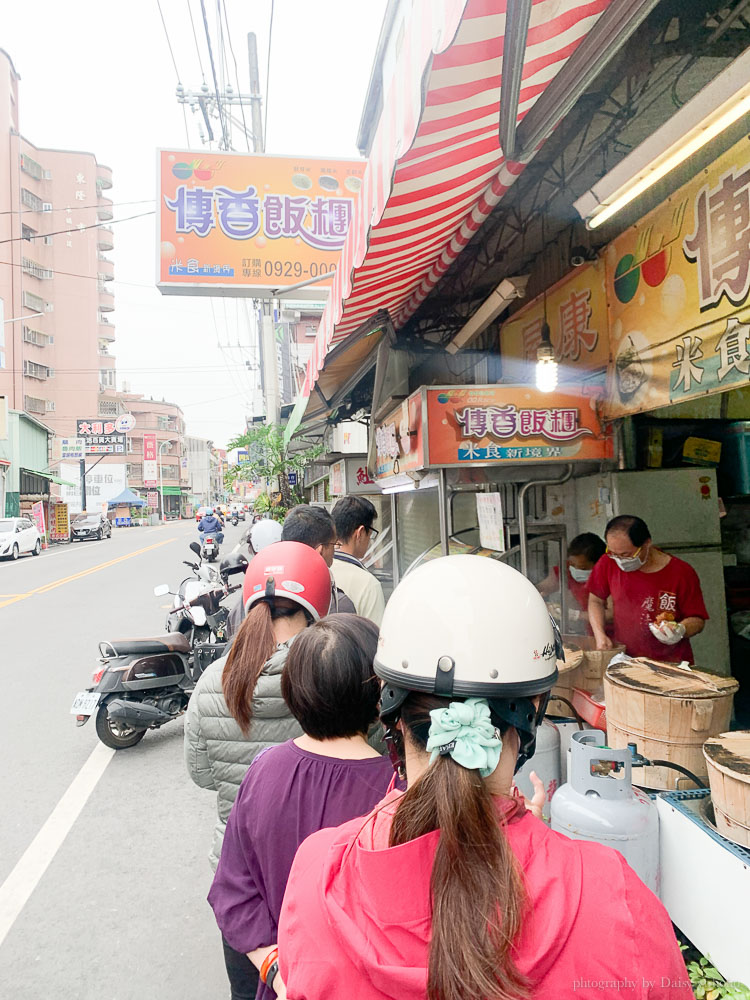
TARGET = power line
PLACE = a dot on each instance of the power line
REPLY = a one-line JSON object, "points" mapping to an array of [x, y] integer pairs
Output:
{"points": [[268, 73], [236, 76], [195, 36], [80, 228], [213, 72], [169, 44], [174, 63], [75, 208]]}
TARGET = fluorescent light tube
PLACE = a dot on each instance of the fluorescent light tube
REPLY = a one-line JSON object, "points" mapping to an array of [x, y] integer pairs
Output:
{"points": [[720, 104]]}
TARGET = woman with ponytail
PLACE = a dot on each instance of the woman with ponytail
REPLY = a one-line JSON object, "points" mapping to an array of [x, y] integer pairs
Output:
{"points": [[454, 890], [237, 708]]}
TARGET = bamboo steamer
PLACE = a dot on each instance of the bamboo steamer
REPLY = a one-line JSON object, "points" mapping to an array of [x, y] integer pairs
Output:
{"points": [[669, 712], [728, 761], [583, 668]]}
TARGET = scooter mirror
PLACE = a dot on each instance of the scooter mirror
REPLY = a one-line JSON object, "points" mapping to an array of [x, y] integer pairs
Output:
{"points": [[195, 547], [198, 615], [161, 590]]}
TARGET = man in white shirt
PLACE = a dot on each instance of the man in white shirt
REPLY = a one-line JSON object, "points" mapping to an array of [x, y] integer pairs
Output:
{"points": [[354, 518]]}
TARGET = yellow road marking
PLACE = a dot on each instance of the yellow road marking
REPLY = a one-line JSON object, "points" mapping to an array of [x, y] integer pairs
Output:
{"points": [[86, 572]]}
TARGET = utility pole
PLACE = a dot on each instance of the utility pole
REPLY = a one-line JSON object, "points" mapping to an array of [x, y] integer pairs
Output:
{"points": [[83, 485], [268, 365], [256, 100]]}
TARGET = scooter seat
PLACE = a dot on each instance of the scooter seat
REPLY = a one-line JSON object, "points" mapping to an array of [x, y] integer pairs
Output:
{"points": [[173, 642]]}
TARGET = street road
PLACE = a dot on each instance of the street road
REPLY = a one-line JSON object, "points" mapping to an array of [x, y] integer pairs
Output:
{"points": [[120, 911]]}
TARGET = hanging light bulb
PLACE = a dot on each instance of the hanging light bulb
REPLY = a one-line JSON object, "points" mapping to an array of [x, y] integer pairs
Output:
{"points": [[546, 365]]}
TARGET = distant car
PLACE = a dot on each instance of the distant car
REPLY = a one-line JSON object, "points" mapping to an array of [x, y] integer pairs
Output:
{"points": [[201, 513], [18, 535], [239, 510], [90, 526]]}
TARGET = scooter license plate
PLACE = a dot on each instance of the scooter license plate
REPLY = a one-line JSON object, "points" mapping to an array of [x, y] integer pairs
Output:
{"points": [[85, 703]]}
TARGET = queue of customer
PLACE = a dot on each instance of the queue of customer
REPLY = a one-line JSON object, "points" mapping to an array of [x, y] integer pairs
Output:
{"points": [[333, 883]]}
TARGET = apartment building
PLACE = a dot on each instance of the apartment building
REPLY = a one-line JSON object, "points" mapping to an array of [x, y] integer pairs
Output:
{"points": [[55, 273], [166, 422]]}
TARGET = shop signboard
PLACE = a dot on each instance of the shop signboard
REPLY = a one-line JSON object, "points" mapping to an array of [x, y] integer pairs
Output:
{"points": [[491, 424], [237, 224], [576, 310], [72, 449], [677, 287], [152, 499], [100, 437], [398, 439], [124, 423], [59, 522], [150, 472]]}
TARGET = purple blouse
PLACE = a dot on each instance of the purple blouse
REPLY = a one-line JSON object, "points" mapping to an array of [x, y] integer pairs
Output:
{"points": [[287, 794]]}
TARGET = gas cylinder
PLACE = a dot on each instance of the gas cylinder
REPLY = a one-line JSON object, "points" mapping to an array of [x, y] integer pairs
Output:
{"points": [[599, 803], [546, 763]]}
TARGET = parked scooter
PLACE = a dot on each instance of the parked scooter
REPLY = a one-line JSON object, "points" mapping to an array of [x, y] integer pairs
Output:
{"points": [[144, 683], [206, 580]]}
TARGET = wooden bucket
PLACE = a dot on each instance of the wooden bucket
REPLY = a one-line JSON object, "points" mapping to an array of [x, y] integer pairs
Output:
{"points": [[669, 713], [583, 668], [728, 760]]}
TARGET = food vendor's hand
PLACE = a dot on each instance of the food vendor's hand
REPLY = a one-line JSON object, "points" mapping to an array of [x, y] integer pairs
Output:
{"points": [[535, 804], [670, 633], [603, 641]]}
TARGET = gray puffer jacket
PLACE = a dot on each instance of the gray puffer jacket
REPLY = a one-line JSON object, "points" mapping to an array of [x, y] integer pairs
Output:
{"points": [[217, 753]]}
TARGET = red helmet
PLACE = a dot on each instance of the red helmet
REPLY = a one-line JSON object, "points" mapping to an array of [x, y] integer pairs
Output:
{"points": [[291, 570]]}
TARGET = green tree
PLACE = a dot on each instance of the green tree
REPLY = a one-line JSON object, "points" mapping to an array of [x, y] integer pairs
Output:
{"points": [[270, 458]]}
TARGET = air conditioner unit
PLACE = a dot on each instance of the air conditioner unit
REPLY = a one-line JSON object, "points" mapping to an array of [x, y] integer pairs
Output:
{"points": [[46, 206]]}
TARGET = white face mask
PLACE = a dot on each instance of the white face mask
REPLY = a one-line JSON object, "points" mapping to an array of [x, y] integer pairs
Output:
{"points": [[579, 575], [629, 564]]}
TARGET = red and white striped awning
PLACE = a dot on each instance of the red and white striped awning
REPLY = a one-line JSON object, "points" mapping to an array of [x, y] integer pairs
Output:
{"points": [[436, 170]]}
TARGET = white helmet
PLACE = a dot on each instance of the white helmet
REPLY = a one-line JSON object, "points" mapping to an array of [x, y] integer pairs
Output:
{"points": [[469, 626], [263, 533]]}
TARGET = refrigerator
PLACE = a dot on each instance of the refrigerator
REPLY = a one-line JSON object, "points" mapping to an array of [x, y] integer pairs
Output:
{"points": [[681, 509]]}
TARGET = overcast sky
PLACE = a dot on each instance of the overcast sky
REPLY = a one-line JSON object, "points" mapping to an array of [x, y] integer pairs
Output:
{"points": [[97, 75]]}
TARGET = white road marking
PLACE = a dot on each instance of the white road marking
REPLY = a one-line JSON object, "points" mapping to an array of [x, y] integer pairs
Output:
{"points": [[19, 885]]}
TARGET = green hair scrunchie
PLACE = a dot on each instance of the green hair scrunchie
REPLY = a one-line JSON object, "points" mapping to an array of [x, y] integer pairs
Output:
{"points": [[465, 731]]}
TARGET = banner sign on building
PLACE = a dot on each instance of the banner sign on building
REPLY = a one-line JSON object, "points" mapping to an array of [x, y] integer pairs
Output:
{"points": [[238, 224], [152, 499], [150, 471], [100, 437], [577, 317], [487, 424], [677, 285], [398, 439], [103, 483]]}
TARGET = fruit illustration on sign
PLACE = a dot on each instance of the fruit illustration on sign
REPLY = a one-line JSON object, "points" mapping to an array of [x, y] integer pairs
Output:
{"points": [[627, 277], [655, 268]]}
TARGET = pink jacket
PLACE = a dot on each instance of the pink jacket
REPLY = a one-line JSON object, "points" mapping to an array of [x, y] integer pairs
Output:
{"points": [[356, 918]]}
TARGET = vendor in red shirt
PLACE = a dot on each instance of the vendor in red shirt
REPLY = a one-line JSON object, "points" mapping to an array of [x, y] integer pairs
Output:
{"points": [[657, 598], [583, 554]]}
